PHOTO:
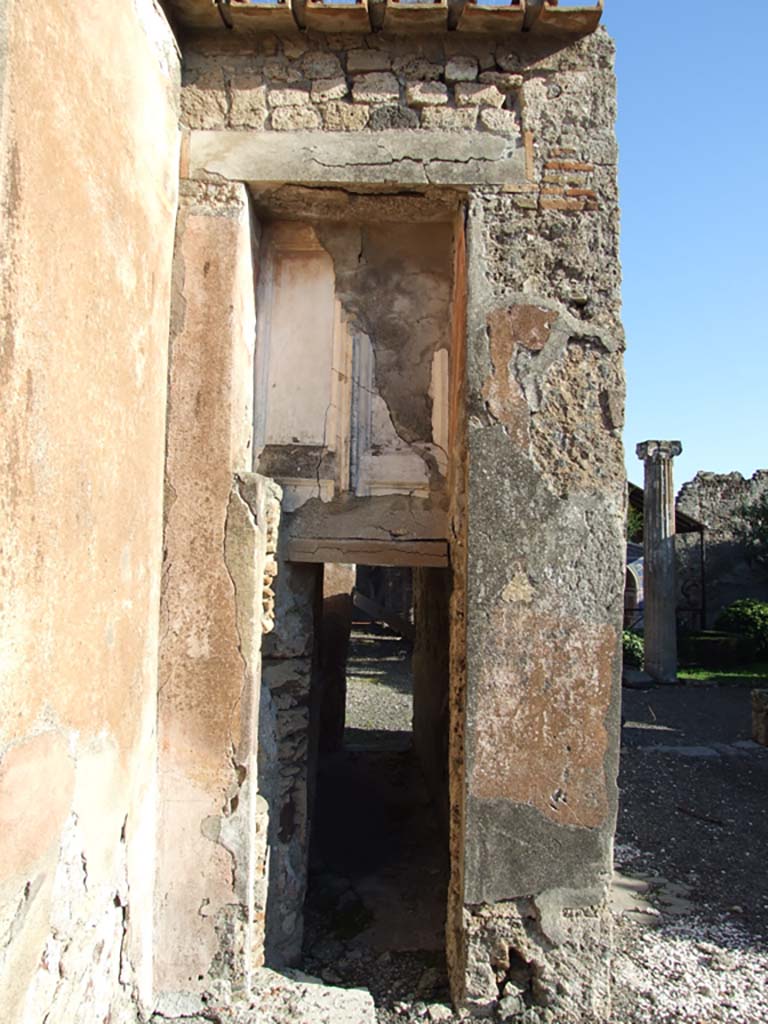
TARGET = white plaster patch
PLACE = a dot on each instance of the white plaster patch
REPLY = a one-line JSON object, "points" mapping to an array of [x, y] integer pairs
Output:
{"points": [[519, 590], [438, 392]]}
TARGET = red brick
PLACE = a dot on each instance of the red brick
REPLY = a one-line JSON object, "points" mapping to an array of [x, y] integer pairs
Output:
{"points": [[563, 203], [568, 165]]}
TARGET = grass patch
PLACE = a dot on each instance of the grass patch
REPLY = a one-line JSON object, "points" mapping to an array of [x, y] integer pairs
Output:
{"points": [[756, 671]]}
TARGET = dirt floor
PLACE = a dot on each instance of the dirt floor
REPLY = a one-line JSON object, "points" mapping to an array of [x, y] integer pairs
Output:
{"points": [[691, 896], [375, 913]]}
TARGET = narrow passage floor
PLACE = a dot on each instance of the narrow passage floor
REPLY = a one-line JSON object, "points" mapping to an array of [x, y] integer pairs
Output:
{"points": [[375, 912]]}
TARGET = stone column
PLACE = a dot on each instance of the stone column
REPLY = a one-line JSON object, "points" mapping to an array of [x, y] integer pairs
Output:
{"points": [[659, 541]]}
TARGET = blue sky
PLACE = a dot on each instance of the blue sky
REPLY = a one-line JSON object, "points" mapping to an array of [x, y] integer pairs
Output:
{"points": [[693, 132]]}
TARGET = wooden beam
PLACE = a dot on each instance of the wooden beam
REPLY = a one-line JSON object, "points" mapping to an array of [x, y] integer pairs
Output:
{"points": [[571, 21], [478, 17], [415, 16]]}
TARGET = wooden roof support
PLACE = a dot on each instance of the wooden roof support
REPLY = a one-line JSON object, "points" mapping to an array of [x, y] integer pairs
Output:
{"points": [[336, 17], [276, 16], [572, 21], [500, 20], [409, 17]]}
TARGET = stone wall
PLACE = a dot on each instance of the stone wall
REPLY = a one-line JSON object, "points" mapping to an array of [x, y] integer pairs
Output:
{"points": [[521, 130], [544, 558], [219, 547], [88, 186], [716, 501], [353, 83], [287, 751], [512, 138]]}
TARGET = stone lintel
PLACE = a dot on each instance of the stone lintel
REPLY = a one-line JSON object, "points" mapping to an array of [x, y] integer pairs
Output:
{"points": [[384, 518], [433, 554], [385, 158], [657, 451]]}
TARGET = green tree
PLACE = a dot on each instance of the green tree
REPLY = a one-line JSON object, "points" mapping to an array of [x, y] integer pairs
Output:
{"points": [[634, 524]]}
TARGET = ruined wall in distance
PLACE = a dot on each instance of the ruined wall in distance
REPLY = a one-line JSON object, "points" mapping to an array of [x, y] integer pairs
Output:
{"points": [[716, 500], [88, 185]]}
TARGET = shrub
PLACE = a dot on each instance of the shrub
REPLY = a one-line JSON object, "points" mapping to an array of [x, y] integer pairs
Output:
{"points": [[715, 650], [748, 618], [633, 647]]}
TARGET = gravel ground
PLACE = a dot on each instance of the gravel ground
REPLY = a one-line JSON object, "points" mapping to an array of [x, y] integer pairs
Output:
{"points": [[692, 895], [379, 690], [693, 819]]}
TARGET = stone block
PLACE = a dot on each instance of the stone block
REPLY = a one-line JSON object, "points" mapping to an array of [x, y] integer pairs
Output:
{"points": [[291, 119], [204, 101], [361, 61], [461, 44], [377, 87], [461, 69], [405, 156], [502, 122], [294, 45], [503, 80], [321, 65], [326, 89], [474, 94], [417, 68], [426, 94], [289, 98], [248, 107], [346, 117], [294, 996], [508, 60], [760, 716], [448, 119], [276, 69], [343, 40], [392, 117]]}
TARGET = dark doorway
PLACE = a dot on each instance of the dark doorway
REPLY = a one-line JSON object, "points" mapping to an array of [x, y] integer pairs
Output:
{"points": [[376, 903]]}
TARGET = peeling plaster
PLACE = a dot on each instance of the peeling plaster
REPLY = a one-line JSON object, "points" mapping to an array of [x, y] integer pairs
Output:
{"points": [[397, 289]]}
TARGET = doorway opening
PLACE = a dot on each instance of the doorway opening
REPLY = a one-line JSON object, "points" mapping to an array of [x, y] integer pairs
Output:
{"points": [[359, 417], [378, 873]]}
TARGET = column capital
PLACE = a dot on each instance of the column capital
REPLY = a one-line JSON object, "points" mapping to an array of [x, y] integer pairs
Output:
{"points": [[658, 451]]}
